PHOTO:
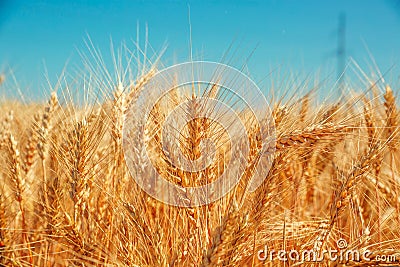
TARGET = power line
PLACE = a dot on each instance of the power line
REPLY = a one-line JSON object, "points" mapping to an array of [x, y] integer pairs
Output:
{"points": [[341, 52]]}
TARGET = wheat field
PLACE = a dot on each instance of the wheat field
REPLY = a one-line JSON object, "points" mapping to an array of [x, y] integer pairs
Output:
{"points": [[67, 197]]}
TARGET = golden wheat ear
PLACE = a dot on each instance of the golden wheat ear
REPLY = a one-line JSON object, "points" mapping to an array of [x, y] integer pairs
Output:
{"points": [[392, 121]]}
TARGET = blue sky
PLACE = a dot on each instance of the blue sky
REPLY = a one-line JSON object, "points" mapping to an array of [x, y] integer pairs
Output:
{"points": [[299, 35]]}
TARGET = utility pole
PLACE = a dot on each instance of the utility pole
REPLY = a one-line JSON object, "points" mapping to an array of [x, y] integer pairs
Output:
{"points": [[341, 52]]}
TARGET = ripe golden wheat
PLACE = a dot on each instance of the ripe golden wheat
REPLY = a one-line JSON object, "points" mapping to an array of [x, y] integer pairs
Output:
{"points": [[68, 199]]}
